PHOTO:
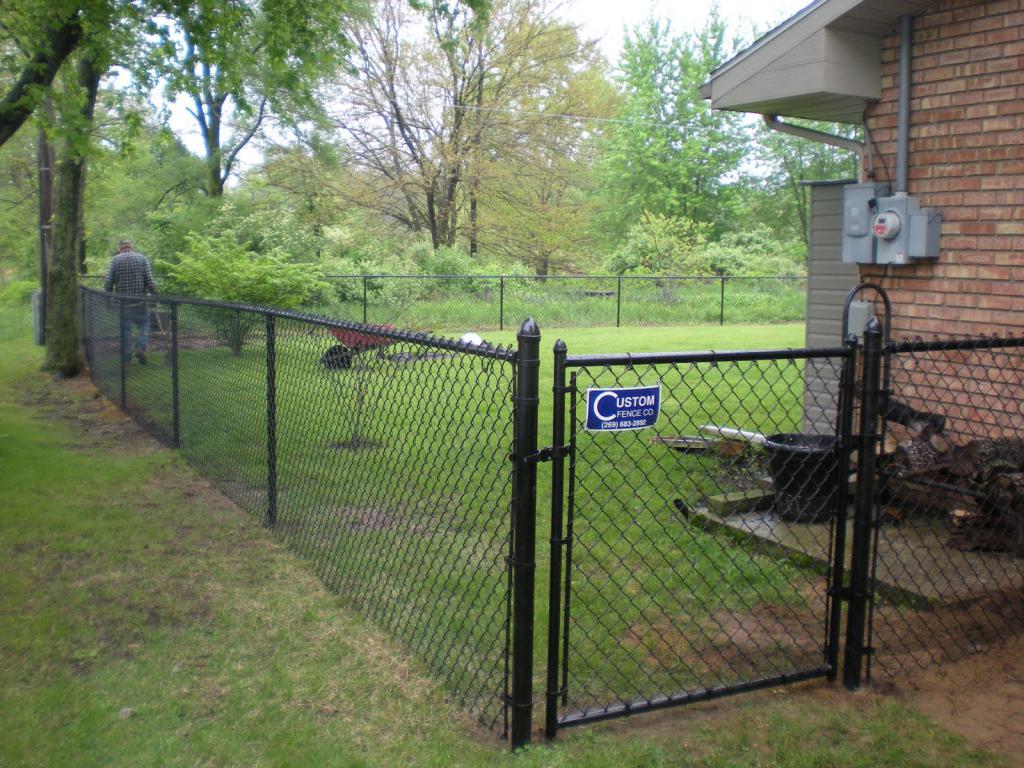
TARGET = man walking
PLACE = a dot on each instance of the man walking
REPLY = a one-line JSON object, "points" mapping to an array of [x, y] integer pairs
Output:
{"points": [[130, 274]]}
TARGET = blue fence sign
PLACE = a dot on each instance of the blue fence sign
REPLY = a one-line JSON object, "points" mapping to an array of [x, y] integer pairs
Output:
{"points": [[621, 408]]}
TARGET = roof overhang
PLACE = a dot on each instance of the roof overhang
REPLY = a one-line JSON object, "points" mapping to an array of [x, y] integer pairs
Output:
{"points": [[824, 63]]}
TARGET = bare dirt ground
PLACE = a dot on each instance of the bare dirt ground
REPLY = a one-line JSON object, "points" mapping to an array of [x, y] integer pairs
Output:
{"points": [[980, 698]]}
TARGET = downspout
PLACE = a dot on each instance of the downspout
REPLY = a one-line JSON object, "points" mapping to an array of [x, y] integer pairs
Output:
{"points": [[773, 123], [903, 118]]}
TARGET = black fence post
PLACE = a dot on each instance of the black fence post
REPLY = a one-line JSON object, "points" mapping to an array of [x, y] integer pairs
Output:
{"points": [[721, 302], [501, 303], [175, 401], [618, 303], [122, 344], [864, 507], [844, 435], [364, 300], [524, 511], [271, 423], [558, 542]]}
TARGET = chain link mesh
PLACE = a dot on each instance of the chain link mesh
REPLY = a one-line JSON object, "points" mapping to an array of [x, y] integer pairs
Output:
{"points": [[949, 551], [474, 302], [381, 456], [689, 571]]}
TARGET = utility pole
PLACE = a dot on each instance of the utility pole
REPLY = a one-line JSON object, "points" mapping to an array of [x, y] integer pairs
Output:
{"points": [[45, 166]]}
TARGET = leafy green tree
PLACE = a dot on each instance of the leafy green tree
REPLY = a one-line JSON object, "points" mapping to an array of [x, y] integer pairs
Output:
{"points": [[670, 154], [660, 245], [777, 194], [35, 40], [237, 62], [222, 266]]}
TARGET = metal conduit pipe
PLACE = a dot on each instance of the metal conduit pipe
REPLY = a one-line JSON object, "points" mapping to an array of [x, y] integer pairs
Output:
{"points": [[903, 116]]}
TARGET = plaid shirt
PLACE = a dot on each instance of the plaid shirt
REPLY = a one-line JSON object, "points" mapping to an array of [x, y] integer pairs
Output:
{"points": [[130, 274]]}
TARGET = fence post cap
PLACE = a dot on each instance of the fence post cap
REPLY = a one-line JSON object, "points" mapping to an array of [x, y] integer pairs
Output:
{"points": [[529, 329], [560, 346]]}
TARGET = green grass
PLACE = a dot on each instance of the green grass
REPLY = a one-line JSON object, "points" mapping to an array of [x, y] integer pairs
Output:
{"points": [[144, 622], [413, 530]]}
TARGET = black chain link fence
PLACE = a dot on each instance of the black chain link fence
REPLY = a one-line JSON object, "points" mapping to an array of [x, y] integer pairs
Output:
{"points": [[381, 456], [948, 571], [771, 510], [688, 572]]}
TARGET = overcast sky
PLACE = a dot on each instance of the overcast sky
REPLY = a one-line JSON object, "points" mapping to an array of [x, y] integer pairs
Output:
{"points": [[606, 19]]}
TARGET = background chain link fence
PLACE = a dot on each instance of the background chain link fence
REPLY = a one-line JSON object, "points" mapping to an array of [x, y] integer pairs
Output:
{"points": [[381, 456], [470, 302], [460, 303], [688, 573]]}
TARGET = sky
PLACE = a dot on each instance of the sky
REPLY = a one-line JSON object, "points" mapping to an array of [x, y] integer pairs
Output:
{"points": [[606, 19]]}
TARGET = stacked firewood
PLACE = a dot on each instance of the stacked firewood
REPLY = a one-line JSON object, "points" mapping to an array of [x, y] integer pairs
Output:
{"points": [[979, 484]]}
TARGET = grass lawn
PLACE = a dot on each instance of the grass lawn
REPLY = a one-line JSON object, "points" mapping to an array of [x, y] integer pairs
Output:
{"points": [[145, 620]]}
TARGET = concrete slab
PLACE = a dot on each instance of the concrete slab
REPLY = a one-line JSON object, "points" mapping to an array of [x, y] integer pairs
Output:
{"points": [[914, 560]]}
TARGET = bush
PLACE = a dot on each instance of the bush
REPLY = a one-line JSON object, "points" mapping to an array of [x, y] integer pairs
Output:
{"points": [[220, 267], [755, 253], [17, 292], [662, 245]]}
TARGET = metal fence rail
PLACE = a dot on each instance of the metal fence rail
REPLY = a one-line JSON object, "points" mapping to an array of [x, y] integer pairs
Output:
{"points": [[381, 456]]}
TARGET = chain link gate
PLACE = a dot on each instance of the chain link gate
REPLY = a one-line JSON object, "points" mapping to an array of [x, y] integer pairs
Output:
{"points": [[677, 573]]}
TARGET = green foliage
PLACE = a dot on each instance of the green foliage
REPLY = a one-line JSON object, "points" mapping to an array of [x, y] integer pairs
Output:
{"points": [[220, 266], [148, 190], [756, 253], [17, 292], [671, 154], [659, 244]]}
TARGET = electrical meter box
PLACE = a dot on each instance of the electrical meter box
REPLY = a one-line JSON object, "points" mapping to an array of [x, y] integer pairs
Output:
{"points": [[860, 205], [904, 231]]}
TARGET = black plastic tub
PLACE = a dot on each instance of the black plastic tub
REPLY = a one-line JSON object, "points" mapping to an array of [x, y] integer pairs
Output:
{"points": [[804, 470]]}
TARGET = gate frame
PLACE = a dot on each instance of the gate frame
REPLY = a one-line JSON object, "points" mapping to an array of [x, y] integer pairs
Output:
{"points": [[562, 501]]}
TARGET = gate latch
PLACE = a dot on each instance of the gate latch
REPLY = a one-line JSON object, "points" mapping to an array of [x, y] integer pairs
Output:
{"points": [[546, 454]]}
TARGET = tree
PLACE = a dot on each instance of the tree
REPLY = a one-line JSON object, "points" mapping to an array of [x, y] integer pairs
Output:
{"points": [[778, 195], [35, 40], [61, 277], [424, 121], [670, 154], [237, 62]]}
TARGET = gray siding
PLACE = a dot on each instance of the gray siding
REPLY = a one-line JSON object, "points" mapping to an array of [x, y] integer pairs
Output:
{"points": [[828, 281]]}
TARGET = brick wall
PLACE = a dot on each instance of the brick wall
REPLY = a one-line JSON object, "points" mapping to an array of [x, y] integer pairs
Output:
{"points": [[967, 160]]}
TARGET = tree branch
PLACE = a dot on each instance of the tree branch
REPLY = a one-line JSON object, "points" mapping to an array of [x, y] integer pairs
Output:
{"points": [[229, 161], [23, 97]]}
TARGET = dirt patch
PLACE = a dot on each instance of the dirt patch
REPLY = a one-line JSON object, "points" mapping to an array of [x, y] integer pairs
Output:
{"points": [[96, 421], [980, 698]]}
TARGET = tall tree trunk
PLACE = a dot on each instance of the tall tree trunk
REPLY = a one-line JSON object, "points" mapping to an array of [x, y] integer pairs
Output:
{"points": [[62, 285]]}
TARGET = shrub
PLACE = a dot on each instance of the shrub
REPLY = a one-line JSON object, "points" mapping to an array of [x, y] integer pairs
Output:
{"points": [[658, 244], [220, 267]]}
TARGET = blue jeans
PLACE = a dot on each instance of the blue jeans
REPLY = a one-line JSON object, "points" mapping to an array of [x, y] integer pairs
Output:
{"points": [[137, 316]]}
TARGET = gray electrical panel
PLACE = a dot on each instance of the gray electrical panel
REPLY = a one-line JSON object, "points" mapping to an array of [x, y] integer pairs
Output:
{"points": [[879, 228], [859, 209]]}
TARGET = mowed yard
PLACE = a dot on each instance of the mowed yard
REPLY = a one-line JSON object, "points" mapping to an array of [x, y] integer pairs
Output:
{"points": [[146, 620]]}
